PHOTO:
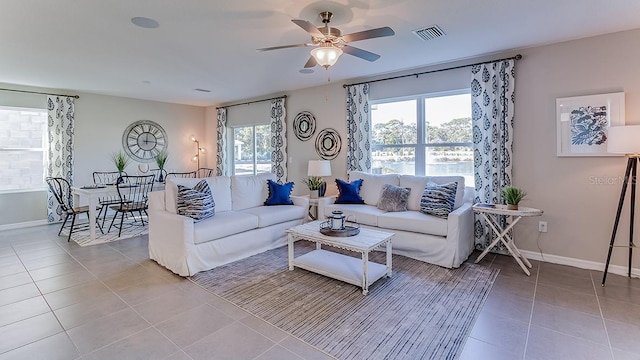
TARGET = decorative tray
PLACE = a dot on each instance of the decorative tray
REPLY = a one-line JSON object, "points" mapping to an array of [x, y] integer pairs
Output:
{"points": [[348, 230]]}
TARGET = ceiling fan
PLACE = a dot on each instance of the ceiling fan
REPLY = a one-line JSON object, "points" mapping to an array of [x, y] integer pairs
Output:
{"points": [[329, 42]]}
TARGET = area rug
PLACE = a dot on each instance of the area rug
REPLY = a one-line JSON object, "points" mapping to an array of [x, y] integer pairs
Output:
{"points": [[422, 312], [130, 229]]}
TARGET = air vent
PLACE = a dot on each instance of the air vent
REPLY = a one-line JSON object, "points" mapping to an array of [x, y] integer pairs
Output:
{"points": [[202, 90], [429, 33]]}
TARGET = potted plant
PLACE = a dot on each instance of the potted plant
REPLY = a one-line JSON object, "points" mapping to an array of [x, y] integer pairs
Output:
{"points": [[161, 160], [121, 160], [512, 196], [314, 183]]}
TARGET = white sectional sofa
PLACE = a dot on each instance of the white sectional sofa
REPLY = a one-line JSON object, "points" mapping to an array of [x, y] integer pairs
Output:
{"points": [[242, 225], [445, 242]]}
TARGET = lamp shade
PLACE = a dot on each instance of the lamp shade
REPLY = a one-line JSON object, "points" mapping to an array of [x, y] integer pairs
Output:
{"points": [[319, 168], [326, 55], [624, 139]]}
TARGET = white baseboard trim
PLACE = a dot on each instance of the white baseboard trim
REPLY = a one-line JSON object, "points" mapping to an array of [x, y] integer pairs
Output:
{"points": [[25, 224], [579, 263]]}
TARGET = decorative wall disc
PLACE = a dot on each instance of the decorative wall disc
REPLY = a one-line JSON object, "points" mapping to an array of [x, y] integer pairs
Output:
{"points": [[328, 144], [304, 125]]}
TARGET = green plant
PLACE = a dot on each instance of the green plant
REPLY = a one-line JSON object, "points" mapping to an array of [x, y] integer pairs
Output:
{"points": [[513, 195], [121, 160], [161, 159], [313, 182]]}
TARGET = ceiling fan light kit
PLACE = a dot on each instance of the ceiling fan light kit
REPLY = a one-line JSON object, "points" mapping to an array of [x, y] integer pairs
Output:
{"points": [[330, 43]]}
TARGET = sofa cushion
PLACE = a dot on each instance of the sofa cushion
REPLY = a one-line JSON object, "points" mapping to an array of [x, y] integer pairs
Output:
{"points": [[438, 200], [196, 203], [413, 221], [222, 225], [393, 198], [372, 184], [271, 215], [249, 191], [361, 213], [417, 184], [349, 193], [220, 189], [278, 193]]}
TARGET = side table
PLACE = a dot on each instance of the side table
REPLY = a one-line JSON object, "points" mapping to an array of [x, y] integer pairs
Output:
{"points": [[312, 212], [491, 213]]}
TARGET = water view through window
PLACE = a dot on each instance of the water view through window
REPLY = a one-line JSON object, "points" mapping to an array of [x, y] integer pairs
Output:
{"points": [[423, 135]]}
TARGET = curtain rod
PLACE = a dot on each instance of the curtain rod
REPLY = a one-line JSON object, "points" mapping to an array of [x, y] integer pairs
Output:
{"points": [[254, 101], [40, 93], [517, 57]]}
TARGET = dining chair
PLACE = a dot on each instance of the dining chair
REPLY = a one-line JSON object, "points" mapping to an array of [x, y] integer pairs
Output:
{"points": [[133, 194], [204, 172], [61, 190], [189, 174], [106, 178]]}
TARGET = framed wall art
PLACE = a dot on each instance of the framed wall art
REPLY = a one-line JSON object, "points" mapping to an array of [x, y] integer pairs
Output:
{"points": [[328, 144], [304, 125], [583, 123]]}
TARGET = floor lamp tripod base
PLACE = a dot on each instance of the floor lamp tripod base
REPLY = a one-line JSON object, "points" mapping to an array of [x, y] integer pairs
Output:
{"points": [[630, 174]]}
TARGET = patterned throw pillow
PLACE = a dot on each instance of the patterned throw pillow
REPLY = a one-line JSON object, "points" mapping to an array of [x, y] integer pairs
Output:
{"points": [[196, 203], [279, 194], [393, 198], [349, 192], [438, 200]]}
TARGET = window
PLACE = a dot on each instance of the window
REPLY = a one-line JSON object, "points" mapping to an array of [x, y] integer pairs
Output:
{"points": [[423, 135], [23, 148], [252, 149]]}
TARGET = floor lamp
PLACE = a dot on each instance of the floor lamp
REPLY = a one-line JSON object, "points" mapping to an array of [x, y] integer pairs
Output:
{"points": [[624, 140]]}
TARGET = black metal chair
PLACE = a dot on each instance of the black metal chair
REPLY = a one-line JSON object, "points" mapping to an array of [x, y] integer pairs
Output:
{"points": [[106, 178], [189, 174], [61, 190], [133, 194], [204, 172]]}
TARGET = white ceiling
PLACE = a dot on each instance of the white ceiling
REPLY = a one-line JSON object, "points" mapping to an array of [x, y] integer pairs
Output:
{"points": [[92, 46]]}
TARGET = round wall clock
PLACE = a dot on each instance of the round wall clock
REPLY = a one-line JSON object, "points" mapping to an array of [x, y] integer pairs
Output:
{"points": [[304, 125], [328, 144], [144, 140]]}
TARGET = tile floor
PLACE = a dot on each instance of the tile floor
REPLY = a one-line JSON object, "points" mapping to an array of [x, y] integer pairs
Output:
{"points": [[62, 301]]}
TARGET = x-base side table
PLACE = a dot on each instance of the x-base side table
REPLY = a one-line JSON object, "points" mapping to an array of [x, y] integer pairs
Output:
{"points": [[491, 214]]}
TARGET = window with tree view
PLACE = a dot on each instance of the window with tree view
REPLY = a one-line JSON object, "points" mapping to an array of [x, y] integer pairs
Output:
{"points": [[423, 135], [251, 149]]}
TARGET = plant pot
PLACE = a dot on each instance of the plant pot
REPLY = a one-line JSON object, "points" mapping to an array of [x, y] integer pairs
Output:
{"points": [[512, 207], [313, 194]]}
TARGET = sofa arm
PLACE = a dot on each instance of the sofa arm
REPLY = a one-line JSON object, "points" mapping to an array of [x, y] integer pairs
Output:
{"points": [[460, 232], [156, 200], [170, 240], [300, 201], [324, 202]]}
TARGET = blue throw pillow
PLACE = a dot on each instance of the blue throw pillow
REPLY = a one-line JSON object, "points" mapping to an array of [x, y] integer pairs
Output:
{"points": [[279, 194], [438, 200], [349, 192]]}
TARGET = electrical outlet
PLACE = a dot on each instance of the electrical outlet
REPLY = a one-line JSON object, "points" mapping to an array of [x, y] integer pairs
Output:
{"points": [[542, 226]]}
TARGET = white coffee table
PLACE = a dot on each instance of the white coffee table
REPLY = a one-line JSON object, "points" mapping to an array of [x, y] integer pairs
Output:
{"points": [[359, 272]]}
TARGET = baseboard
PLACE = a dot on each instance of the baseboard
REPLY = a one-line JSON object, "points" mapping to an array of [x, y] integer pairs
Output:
{"points": [[579, 263], [25, 224]]}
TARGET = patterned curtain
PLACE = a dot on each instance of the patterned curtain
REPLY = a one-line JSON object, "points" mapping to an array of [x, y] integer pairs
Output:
{"points": [[493, 101], [279, 139], [221, 146], [358, 128], [60, 132]]}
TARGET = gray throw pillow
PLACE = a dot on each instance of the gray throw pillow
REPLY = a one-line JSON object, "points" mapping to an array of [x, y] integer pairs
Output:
{"points": [[196, 203], [438, 200], [393, 198]]}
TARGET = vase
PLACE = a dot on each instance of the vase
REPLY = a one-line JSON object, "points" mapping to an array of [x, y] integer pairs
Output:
{"points": [[512, 207], [313, 194]]}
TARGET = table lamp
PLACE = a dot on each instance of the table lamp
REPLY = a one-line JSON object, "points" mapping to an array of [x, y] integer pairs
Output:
{"points": [[624, 140], [319, 168]]}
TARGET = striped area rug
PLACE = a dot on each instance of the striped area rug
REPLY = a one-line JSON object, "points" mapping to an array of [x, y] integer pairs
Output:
{"points": [[131, 228], [422, 312]]}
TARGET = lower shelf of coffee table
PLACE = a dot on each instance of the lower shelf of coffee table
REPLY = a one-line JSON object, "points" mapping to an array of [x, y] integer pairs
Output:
{"points": [[340, 267]]}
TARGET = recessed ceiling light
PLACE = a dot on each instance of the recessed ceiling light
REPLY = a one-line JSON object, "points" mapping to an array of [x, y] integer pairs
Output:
{"points": [[146, 81], [306, 71], [203, 90], [144, 22]]}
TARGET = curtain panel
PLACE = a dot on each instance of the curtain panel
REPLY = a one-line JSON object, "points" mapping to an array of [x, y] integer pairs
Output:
{"points": [[278, 115], [493, 101], [358, 128], [61, 113], [221, 146]]}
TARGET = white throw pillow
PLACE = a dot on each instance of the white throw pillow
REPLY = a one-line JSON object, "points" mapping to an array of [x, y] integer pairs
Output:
{"points": [[372, 185], [249, 191]]}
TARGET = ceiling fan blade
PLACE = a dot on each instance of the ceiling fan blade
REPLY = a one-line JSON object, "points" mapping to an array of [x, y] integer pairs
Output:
{"points": [[311, 62], [369, 34], [283, 47], [362, 54], [308, 27]]}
